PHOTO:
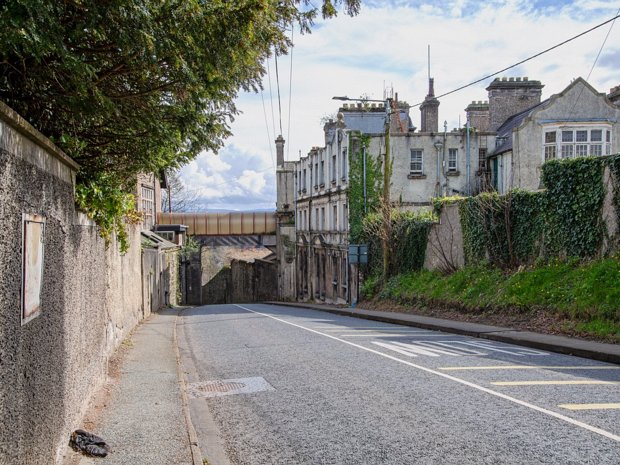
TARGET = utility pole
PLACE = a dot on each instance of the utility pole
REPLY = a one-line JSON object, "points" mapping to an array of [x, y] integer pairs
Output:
{"points": [[387, 168]]}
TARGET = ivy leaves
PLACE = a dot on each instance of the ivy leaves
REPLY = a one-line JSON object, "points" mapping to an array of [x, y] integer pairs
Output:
{"points": [[564, 220]]}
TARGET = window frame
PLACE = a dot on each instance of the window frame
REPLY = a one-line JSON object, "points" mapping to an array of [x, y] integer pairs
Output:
{"points": [[412, 171], [578, 139]]}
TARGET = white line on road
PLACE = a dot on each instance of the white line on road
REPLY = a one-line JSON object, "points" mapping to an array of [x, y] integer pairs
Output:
{"points": [[531, 367], [551, 383], [559, 416]]}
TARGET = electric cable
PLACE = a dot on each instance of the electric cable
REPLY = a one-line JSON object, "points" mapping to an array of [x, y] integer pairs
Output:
{"points": [[290, 92], [273, 118], [275, 56], [523, 61], [595, 61], [267, 126]]}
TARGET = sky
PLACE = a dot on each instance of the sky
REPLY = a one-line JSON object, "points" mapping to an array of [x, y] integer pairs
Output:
{"points": [[385, 49]]}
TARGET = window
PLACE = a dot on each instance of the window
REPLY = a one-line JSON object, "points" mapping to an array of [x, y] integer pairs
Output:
{"points": [[452, 160], [482, 159], [148, 204], [344, 164], [576, 142], [335, 218], [322, 218], [303, 180], [550, 145], [345, 217], [334, 168], [322, 174], [316, 174], [417, 162]]}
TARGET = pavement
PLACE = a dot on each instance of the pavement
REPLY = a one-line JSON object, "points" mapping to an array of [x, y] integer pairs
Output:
{"points": [[145, 419]]}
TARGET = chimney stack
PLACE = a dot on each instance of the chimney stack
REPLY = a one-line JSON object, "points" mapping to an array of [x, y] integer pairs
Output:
{"points": [[478, 115], [280, 150], [430, 110], [508, 97]]}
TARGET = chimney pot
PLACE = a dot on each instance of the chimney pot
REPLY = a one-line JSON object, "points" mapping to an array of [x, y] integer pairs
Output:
{"points": [[525, 78], [518, 79], [511, 79]]}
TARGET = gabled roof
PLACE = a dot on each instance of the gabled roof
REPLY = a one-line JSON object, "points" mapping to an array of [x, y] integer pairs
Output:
{"points": [[504, 132]]}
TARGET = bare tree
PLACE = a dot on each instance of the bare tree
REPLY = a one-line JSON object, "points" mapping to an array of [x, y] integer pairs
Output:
{"points": [[177, 197]]}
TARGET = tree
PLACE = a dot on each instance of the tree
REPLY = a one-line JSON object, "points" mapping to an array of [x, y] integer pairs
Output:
{"points": [[177, 197], [129, 86]]}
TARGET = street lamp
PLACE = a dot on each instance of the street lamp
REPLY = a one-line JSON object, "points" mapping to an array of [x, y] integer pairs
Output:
{"points": [[438, 146], [386, 179]]}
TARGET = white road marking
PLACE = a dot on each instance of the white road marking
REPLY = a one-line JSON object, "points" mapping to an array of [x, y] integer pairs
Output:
{"points": [[551, 383], [559, 416], [590, 406], [488, 345], [388, 335], [531, 367], [379, 330]]}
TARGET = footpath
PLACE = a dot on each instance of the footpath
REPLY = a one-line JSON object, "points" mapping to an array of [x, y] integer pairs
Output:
{"points": [[145, 416]]}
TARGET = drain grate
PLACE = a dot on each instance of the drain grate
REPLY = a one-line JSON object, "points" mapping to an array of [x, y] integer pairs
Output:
{"points": [[219, 386], [225, 387]]}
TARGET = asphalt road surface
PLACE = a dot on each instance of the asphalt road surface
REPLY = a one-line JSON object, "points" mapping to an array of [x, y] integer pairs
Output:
{"points": [[282, 385]]}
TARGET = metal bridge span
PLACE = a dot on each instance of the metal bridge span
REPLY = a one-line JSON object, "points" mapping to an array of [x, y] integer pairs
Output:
{"points": [[226, 228]]}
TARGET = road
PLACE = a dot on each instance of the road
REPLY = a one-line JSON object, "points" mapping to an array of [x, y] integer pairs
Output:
{"points": [[280, 385]]}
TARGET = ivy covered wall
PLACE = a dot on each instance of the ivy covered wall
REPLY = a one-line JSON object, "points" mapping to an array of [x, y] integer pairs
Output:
{"points": [[564, 220]]}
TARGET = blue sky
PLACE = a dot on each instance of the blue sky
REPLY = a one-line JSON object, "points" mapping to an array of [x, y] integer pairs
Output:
{"points": [[386, 47]]}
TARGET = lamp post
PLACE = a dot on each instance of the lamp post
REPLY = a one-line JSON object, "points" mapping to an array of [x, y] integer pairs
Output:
{"points": [[438, 146], [386, 179]]}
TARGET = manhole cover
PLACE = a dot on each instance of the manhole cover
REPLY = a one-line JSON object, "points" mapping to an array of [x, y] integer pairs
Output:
{"points": [[225, 387]]}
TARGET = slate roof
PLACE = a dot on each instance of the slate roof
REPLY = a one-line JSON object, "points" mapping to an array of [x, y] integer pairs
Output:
{"points": [[372, 122], [504, 132]]}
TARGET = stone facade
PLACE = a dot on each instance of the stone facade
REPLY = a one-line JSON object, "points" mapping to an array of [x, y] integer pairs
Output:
{"points": [[553, 129], [509, 96]]}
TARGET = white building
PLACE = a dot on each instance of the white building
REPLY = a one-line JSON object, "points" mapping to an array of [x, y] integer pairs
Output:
{"points": [[513, 131]]}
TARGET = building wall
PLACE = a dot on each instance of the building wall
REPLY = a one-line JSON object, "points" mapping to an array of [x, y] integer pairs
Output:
{"points": [[90, 300], [578, 105]]}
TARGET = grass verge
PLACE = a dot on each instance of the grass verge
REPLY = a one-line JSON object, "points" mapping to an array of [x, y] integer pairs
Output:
{"points": [[584, 297]]}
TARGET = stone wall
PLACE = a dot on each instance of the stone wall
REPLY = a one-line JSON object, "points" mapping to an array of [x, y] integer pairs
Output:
{"points": [[444, 248], [90, 300]]}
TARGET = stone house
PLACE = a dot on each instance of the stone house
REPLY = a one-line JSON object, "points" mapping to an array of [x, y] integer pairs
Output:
{"points": [[579, 121], [503, 145]]}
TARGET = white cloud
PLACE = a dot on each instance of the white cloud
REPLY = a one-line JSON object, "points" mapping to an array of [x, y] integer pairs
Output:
{"points": [[253, 181], [387, 45]]}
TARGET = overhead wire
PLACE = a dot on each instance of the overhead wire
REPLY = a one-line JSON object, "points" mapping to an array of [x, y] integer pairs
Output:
{"points": [[595, 60], [267, 127], [523, 61], [273, 118], [290, 92], [275, 56]]}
